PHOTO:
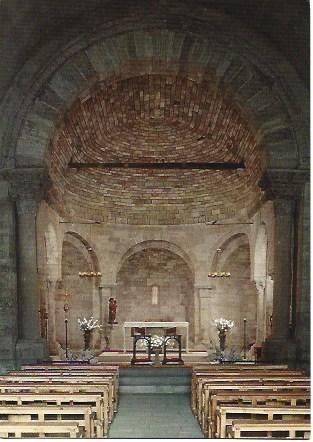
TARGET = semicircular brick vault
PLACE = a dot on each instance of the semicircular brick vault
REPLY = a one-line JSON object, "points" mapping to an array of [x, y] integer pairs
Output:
{"points": [[155, 118]]}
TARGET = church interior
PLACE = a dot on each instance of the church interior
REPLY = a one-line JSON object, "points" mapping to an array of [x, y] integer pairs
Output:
{"points": [[154, 218]]}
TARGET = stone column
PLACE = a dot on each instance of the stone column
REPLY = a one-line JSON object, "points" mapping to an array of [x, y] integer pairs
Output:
{"points": [[204, 317], [283, 188], [27, 188], [260, 287], [52, 343], [8, 284]]}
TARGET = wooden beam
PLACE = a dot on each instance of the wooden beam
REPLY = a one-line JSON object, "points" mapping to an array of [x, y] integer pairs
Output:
{"points": [[160, 165]]}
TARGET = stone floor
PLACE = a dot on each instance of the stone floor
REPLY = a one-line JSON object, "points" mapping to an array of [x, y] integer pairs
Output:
{"points": [[159, 416]]}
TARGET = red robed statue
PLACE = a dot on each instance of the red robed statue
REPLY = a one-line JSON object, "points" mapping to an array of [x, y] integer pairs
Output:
{"points": [[112, 311]]}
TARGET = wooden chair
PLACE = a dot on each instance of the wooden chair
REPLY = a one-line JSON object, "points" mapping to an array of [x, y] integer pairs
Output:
{"points": [[139, 334], [171, 334]]}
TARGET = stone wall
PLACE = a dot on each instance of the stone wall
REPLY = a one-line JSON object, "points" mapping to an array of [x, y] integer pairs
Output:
{"points": [[8, 283], [80, 291], [175, 258], [170, 274]]}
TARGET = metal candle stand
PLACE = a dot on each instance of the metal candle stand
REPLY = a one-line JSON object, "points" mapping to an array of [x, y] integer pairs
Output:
{"points": [[66, 309]]}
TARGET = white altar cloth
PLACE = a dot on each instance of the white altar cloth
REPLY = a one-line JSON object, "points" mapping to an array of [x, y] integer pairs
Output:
{"points": [[160, 324]]}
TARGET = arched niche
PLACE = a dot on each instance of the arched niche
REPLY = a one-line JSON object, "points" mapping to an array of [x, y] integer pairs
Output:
{"points": [[77, 256], [235, 296], [158, 244], [144, 270]]}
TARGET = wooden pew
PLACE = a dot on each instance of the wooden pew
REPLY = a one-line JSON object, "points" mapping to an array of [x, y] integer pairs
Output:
{"points": [[270, 387], [280, 377], [62, 388], [226, 414], [200, 378], [78, 379], [269, 429], [254, 399], [46, 399], [41, 429], [238, 365], [84, 416]]}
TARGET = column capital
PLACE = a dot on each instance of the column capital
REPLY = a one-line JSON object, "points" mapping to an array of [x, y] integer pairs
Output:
{"points": [[284, 184], [27, 186]]}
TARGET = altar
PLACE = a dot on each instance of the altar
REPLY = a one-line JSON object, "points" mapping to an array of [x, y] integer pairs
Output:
{"points": [[160, 324]]}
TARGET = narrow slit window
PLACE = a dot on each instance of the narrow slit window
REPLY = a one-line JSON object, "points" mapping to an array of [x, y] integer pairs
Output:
{"points": [[155, 295]]}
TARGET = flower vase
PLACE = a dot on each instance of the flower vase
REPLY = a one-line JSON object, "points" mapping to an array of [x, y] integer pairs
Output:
{"points": [[222, 339], [156, 361], [87, 338]]}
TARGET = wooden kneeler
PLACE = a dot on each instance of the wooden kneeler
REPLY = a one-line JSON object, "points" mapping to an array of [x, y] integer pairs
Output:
{"points": [[170, 334]]}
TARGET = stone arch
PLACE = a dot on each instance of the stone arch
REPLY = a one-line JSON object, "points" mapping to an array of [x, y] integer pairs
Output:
{"points": [[263, 86], [157, 244], [77, 256], [82, 244], [236, 294], [228, 246]]}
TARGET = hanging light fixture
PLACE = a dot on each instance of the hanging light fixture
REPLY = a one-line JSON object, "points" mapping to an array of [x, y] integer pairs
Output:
{"points": [[219, 274], [89, 274]]}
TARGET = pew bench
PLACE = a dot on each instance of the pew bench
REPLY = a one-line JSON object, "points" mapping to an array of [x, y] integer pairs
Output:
{"points": [[46, 399], [269, 429], [226, 414], [64, 389], [40, 429], [106, 383], [288, 382], [92, 376], [84, 416], [207, 412], [200, 379], [253, 399]]}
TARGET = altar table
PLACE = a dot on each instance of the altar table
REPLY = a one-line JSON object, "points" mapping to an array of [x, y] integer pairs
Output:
{"points": [[160, 324]]}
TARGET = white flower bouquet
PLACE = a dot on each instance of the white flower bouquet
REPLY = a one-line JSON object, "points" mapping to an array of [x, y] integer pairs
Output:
{"points": [[223, 325], [156, 341], [88, 324]]}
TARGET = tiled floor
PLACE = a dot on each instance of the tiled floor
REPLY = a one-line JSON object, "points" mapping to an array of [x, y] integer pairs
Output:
{"points": [[155, 416]]}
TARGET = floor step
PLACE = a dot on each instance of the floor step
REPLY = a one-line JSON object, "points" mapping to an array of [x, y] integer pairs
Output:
{"points": [[155, 389], [155, 371], [154, 380]]}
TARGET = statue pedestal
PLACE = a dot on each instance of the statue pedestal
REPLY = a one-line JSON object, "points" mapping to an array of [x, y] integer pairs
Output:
{"points": [[111, 338]]}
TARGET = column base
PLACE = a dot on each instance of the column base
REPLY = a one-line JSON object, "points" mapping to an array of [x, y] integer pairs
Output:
{"points": [[280, 351], [30, 351]]}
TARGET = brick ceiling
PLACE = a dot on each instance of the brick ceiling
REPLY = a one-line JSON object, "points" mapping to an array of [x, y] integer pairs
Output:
{"points": [[154, 118]]}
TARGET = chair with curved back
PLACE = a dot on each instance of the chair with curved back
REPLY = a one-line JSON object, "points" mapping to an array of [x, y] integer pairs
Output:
{"points": [[139, 334], [171, 334]]}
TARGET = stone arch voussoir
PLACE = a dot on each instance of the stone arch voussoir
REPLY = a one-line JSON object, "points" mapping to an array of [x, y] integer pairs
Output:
{"points": [[261, 83]]}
